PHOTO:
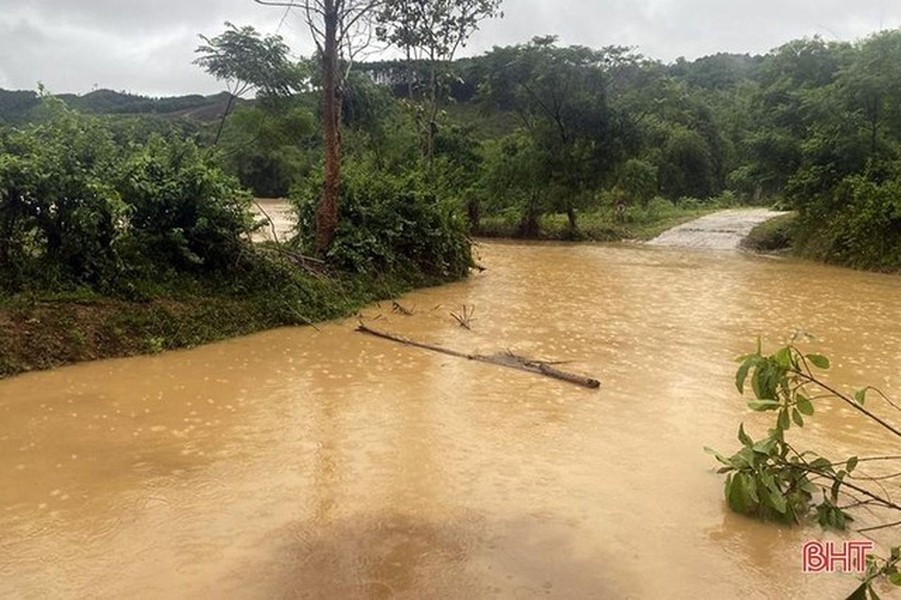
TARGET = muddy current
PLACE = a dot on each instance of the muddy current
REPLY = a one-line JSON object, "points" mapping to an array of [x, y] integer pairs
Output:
{"points": [[304, 463]]}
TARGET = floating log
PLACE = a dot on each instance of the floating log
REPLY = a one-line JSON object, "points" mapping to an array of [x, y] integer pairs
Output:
{"points": [[507, 359]]}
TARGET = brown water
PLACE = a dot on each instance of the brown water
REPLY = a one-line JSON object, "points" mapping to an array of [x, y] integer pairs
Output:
{"points": [[328, 464]]}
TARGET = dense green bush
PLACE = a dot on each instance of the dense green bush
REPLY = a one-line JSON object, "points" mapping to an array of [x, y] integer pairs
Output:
{"points": [[264, 146], [182, 210], [864, 228], [639, 180], [389, 223], [59, 213], [78, 208]]}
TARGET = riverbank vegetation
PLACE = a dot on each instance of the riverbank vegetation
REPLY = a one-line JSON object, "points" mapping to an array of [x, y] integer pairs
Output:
{"points": [[114, 243], [774, 479], [775, 235], [391, 166], [539, 140]]}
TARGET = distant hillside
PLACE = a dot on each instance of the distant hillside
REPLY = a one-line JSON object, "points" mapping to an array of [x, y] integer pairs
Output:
{"points": [[716, 72], [16, 105]]}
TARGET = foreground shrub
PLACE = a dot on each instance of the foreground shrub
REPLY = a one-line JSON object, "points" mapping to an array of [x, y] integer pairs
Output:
{"points": [[774, 479], [59, 213]]}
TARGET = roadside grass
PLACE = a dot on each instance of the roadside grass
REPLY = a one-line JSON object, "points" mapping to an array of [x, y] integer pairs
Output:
{"points": [[775, 235], [601, 225]]}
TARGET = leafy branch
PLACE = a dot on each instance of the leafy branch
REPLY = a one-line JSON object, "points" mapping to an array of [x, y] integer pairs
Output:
{"points": [[771, 480]]}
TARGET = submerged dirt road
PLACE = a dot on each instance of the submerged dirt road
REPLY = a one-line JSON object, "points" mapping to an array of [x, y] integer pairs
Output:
{"points": [[722, 230]]}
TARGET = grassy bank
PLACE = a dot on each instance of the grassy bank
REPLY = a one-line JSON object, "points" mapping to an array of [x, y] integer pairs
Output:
{"points": [[775, 235], [600, 226], [46, 329], [788, 234]]}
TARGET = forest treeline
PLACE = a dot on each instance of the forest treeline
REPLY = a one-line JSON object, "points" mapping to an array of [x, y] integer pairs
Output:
{"points": [[813, 126], [504, 141]]}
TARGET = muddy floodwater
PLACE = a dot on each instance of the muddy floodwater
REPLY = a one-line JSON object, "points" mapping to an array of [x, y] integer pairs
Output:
{"points": [[329, 464]]}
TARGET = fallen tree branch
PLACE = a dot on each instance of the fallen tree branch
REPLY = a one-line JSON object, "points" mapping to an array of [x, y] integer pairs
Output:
{"points": [[504, 360], [465, 319], [269, 220], [399, 308]]}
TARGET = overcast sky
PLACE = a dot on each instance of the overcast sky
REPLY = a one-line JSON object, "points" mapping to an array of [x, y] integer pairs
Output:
{"points": [[147, 46]]}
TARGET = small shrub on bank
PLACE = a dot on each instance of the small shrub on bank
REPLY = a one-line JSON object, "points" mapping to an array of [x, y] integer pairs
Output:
{"points": [[772, 236], [183, 211], [390, 223]]}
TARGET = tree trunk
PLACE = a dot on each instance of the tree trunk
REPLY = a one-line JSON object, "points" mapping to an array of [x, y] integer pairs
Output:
{"points": [[474, 211], [327, 211], [433, 113], [228, 108], [529, 227], [571, 215]]}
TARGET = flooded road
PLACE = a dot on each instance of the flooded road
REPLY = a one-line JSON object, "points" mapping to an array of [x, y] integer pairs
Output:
{"points": [[722, 230], [328, 464]]}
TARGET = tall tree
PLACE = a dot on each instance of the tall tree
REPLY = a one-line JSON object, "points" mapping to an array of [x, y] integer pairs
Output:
{"points": [[246, 62], [871, 81], [340, 29], [560, 95], [432, 30]]}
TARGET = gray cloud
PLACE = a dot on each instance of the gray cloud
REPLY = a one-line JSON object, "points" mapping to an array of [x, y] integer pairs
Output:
{"points": [[147, 47], [667, 29]]}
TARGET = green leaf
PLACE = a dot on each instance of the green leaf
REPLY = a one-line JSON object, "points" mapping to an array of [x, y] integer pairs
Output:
{"points": [[763, 405], [736, 495], [808, 486], [778, 502], [743, 437], [755, 381], [797, 418], [805, 405], [861, 395], [743, 459], [818, 360], [859, 594], [783, 357], [895, 579], [742, 374], [784, 421], [765, 446], [719, 457], [821, 464], [851, 464]]}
